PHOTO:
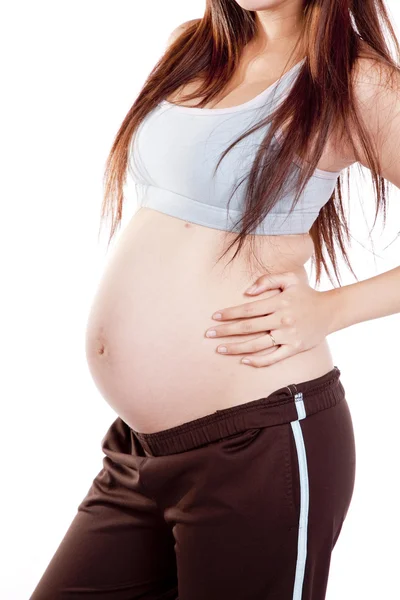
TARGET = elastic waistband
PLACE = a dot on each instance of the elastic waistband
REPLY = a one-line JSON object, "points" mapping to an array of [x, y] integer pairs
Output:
{"points": [[275, 409]]}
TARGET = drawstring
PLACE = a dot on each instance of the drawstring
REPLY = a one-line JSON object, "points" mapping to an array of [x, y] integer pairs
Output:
{"points": [[290, 386]]}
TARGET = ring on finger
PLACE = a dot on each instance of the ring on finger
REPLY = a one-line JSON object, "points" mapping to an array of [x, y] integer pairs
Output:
{"points": [[272, 338]]}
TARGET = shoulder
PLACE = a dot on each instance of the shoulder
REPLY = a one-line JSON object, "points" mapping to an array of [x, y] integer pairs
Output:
{"points": [[179, 30], [376, 82], [376, 94], [376, 99]]}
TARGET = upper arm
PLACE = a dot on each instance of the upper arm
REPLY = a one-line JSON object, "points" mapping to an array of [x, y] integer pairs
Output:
{"points": [[377, 97], [178, 30]]}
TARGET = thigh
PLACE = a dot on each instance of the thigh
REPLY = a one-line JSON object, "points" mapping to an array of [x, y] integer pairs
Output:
{"points": [[330, 456], [117, 546], [237, 535]]}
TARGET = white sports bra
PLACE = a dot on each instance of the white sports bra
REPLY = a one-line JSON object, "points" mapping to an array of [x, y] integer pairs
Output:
{"points": [[174, 151]]}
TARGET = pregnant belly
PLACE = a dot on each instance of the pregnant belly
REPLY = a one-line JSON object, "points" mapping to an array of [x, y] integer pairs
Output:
{"points": [[145, 339]]}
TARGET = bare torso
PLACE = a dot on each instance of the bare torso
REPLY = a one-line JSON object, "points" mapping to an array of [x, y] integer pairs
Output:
{"points": [[146, 344]]}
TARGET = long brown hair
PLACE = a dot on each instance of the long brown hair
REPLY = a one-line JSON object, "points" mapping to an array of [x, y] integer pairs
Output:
{"points": [[320, 99]]}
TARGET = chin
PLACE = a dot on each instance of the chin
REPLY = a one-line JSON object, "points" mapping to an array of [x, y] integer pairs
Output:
{"points": [[259, 4]]}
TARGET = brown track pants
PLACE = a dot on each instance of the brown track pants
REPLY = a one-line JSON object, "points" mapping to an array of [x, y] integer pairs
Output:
{"points": [[243, 504]]}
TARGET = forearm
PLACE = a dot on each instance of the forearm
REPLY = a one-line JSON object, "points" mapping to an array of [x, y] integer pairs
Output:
{"points": [[371, 298]]}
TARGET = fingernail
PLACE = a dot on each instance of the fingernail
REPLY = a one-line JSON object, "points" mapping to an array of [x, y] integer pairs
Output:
{"points": [[211, 333], [217, 316], [246, 361], [251, 289], [222, 349], [254, 289]]}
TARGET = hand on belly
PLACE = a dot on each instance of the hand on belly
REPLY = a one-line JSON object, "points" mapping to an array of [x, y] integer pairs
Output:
{"points": [[298, 318]]}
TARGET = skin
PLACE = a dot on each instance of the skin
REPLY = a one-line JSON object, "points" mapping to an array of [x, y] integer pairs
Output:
{"points": [[146, 344], [300, 317]]}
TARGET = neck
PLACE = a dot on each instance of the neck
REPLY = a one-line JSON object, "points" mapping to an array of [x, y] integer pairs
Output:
{"points": [[279, 28]]}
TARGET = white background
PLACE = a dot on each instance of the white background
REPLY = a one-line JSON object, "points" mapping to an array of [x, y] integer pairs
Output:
{"points": [[70, 72]]}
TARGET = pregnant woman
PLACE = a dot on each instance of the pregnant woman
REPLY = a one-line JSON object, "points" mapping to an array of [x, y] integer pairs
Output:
{"points": [[230, 467]]}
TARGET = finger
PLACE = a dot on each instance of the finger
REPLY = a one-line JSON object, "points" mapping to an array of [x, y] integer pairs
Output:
{"points": [[265, 306], [245, 326], [277, 280], [282, 352], [263, 342]]}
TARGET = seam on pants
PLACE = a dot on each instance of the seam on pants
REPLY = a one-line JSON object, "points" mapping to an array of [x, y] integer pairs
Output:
{"points": [[289, 472], [304, 498]]}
